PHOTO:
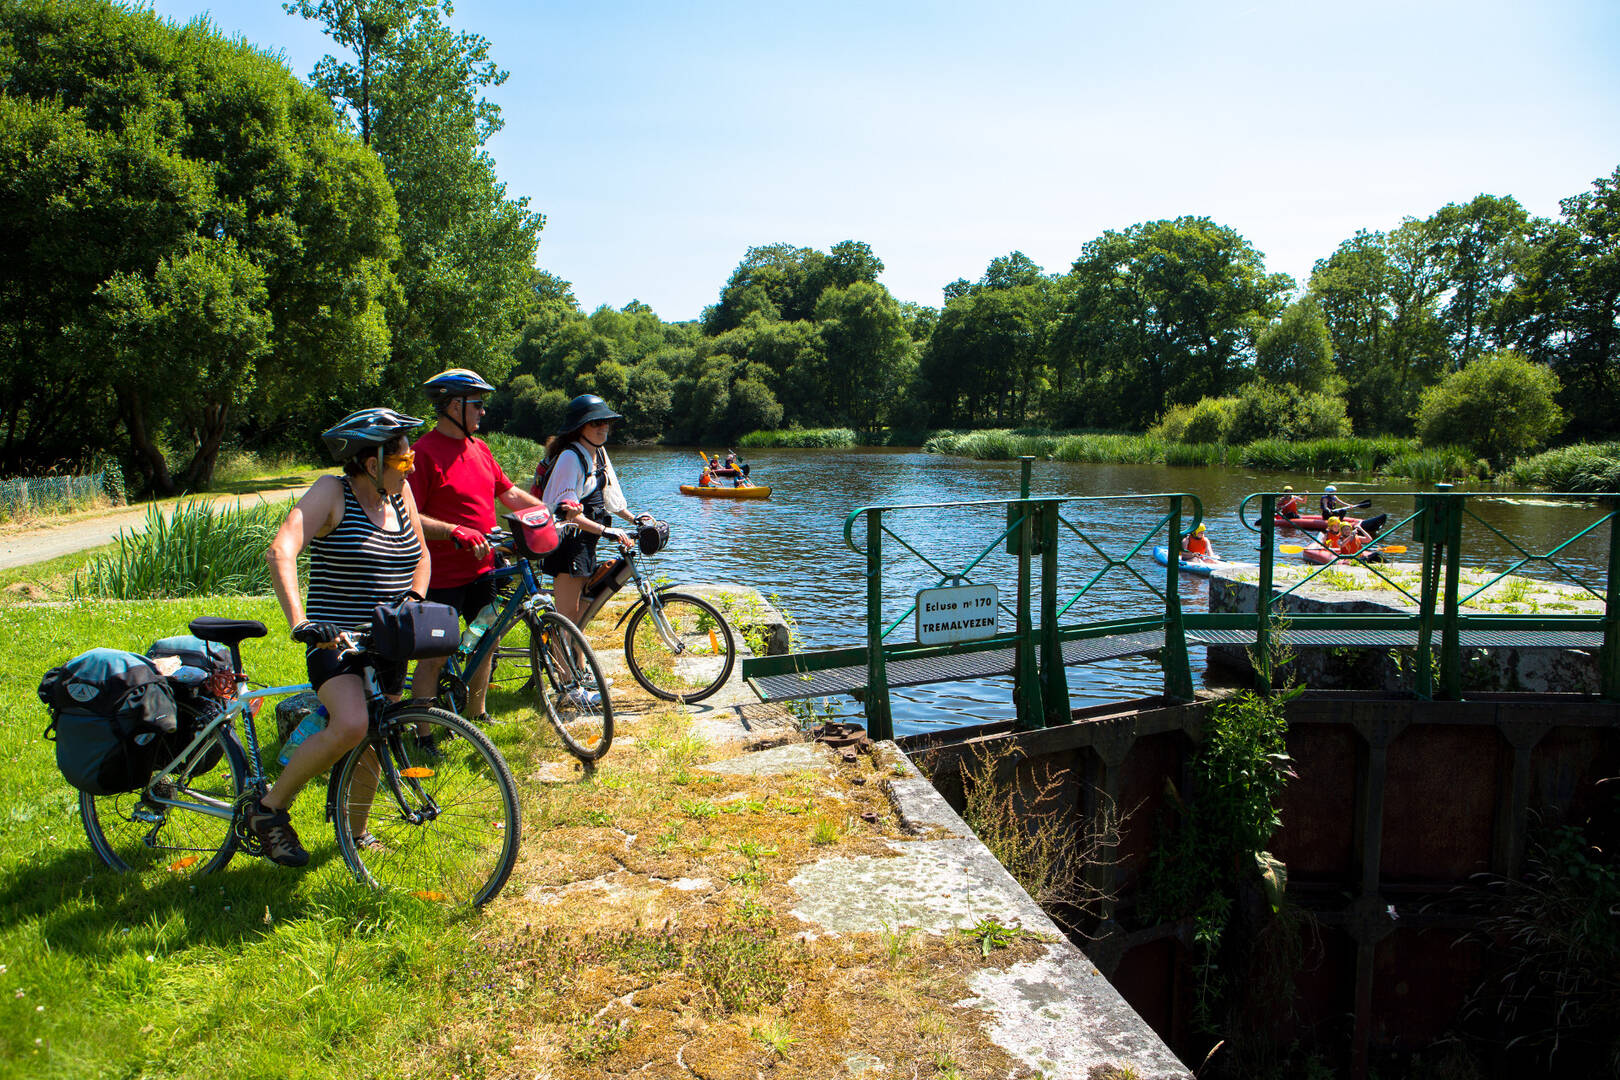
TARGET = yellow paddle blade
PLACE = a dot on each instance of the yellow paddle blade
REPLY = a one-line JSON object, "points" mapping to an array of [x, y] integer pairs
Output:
{"points": [[1393, 549], [416, 772], [1290, 549]]}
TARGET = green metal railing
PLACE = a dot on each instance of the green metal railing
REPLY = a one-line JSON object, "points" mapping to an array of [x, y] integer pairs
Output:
{"points": [[1036, 526]]}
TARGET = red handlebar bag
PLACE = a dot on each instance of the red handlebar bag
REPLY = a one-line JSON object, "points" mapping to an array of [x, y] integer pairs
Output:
{"points": [[534, 531]]}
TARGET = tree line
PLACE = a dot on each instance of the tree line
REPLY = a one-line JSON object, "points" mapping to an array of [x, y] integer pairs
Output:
{"points": [[197, 249]]}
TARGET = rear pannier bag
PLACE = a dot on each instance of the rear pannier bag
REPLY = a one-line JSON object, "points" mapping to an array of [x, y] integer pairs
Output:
{"points": [[534, 531], [109, 712], [204, 679], [414, 630]]}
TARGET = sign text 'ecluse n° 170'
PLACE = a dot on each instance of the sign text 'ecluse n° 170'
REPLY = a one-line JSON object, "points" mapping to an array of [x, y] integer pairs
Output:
{"points": [[956, 613]]}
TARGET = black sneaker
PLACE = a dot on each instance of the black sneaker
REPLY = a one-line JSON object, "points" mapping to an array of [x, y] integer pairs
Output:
{"points": [[275, 831]]}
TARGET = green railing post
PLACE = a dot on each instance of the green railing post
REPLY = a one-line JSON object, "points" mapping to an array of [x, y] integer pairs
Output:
{"points": [[1026, 677], [1262, 605], [879, 721], [1177, 669], [1450, 637], [1025, 463], [1429, 527], [1054, 678], [1610, 676]]}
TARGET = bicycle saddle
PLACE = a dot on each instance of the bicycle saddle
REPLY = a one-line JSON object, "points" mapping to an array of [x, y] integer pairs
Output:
{"points": [[225, 631]]}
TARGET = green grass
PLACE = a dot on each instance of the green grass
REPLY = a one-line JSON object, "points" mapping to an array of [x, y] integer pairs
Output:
{"points": [[256, 971], [247, 470], [798, 437]]}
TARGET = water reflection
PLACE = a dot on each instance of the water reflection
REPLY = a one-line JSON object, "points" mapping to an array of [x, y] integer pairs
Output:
{"points": [[791, 547]]}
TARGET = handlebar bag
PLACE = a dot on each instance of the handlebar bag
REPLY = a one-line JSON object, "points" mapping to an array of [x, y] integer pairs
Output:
{"points": [[652, 536], [109, 712], [414, 630], [534, 531]]}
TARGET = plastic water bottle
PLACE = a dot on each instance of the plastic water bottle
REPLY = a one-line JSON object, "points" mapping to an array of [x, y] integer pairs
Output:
{"points": [[475, 630], [312, 723]]}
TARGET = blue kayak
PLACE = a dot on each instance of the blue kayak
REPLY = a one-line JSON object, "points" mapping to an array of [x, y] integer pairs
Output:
{"points": [[1161, 555]]}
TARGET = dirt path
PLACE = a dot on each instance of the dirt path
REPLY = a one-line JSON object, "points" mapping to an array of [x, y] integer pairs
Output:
{"points": [[64, 536]]}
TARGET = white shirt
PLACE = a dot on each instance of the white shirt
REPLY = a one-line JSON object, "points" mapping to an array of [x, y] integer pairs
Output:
{"points": [[569, 480]]}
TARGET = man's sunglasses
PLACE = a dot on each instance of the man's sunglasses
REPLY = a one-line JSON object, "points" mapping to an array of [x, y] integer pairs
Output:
{"points": [[473, 403]]}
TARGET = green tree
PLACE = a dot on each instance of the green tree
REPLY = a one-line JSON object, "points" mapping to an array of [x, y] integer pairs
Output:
{"points": [[1297, 348], [1164, 312], [1564, 308], [1481, 243], [161, 181], [414, 89], [864, 339], [1500, 406]]}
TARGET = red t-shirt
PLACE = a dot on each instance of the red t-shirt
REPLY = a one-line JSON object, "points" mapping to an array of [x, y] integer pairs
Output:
{"points": [[457, 481]]}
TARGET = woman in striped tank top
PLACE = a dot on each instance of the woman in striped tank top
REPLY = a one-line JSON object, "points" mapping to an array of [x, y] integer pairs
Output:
{"points": [[365, 548]]}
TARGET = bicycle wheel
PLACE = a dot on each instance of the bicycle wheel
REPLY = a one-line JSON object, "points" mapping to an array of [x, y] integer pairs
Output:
{"points": [[568, 686], [436, 806], [140, 830], [679, 647]]}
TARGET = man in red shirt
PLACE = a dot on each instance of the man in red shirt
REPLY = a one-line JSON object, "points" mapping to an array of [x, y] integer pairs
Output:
{"points": [[456, 484]]}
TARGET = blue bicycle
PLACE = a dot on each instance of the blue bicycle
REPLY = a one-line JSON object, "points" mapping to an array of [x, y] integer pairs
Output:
{"points": [[562, 676]]}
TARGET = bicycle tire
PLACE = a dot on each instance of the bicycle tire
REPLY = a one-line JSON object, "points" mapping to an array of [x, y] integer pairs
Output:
{"points": [[585, 728], [170, 838], [696, 664], [463, 843]]}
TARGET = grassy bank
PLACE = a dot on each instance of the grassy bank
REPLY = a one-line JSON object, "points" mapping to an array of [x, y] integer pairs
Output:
{"points": [[1384, 456], [649, 916], [1585, 467]]}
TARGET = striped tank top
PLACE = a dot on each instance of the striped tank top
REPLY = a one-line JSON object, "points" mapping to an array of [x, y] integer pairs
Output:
{"points": [[357, 566]]}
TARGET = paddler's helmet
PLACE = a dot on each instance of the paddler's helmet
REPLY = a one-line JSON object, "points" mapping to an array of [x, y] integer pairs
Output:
{"points": [[1200, 528], [1330, 489], [1288, 487], [1334, 523]]}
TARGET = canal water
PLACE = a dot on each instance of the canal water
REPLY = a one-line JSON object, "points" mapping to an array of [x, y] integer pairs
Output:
{"points": [[791, 547]]}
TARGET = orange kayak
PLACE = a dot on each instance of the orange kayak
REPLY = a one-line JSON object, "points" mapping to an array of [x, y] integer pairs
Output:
{"points": [[755, 491]]}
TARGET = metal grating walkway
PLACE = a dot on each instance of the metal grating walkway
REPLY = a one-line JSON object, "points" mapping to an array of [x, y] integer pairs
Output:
{"points": [[919, 672], [996, 662]]}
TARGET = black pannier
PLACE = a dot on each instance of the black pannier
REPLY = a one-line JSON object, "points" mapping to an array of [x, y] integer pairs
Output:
{"points": [[204, 676], [414, 630], [110, 713]]}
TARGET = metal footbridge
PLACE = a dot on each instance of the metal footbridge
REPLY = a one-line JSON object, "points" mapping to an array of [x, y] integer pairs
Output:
{"points": [[1042, 533]]}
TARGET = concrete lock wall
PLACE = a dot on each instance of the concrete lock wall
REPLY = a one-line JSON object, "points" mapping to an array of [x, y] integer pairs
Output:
{"points": [[1399, 806]]}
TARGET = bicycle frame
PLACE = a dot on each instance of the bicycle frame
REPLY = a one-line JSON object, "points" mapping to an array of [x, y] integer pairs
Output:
{"points": [[528, 597]]}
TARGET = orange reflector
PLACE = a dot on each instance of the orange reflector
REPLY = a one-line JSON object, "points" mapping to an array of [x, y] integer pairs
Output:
{"points": [[182, 864], [426, 894], [714, 642], [499, 824], [416, 772]]}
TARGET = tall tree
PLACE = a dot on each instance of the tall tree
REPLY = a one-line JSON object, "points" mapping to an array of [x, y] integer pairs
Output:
{"points": [[414, 89], [1481, 243], [864, 340], [182, 224], [1162, 313], [1297, 348]]}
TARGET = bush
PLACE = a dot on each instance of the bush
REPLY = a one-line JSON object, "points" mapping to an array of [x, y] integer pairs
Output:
{"points": [[1283, 411], [199, 550], [516, 456], [1205, 421], [798, 437], [1498, 406], [1585, 467]]}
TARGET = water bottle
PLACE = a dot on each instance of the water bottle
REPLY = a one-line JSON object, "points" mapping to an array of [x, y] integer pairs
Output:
{"points": [[475, 630], [313, 722]]}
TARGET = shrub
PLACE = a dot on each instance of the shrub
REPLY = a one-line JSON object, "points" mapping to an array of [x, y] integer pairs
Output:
{"points": [[516, 456], [1498, 406], [1284, 411], [1205, 421], [199, 550], [798, 437], [1585, 467]]}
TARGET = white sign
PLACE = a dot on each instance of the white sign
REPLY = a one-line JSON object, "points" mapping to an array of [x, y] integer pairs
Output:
{"points": [[958, 613]]}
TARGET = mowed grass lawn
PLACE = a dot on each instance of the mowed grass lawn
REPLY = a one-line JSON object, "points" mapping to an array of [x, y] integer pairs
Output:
{"points": [[254, 972]]}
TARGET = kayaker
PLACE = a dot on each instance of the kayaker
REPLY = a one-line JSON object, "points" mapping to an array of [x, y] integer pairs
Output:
{"points": [[1352, 539], [731, 459], [1197, 546], [1332, 505], [706, 479], [1289, 506]]}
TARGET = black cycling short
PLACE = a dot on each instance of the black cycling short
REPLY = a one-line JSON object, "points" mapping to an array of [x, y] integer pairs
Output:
{"points": [[324, 664], [469, 599], [576, 555]]}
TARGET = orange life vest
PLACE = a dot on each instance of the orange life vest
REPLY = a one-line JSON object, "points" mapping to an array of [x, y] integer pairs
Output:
{"points": [[1197, 545]]}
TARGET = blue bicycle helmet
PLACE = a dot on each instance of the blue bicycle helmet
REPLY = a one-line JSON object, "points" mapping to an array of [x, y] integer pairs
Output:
{"points": [[457, 382], [360, 431]]}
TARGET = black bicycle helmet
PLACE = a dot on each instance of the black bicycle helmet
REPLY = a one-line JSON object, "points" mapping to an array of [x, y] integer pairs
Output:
{"points": [[457, 382], [360, 431], [583, 410]]}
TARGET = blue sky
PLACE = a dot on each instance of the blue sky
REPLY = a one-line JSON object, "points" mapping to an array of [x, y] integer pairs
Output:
{"points": [[661, 140]]}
